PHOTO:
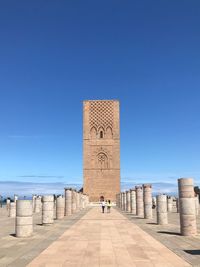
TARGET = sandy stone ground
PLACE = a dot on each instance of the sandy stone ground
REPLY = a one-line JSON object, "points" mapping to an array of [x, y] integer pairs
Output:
{"points": [[106, 240], [91, 239], [18, 252], [186, 247]]}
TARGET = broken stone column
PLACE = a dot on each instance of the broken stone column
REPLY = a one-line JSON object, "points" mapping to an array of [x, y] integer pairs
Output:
{"points": [[77, 201], [24, 218], [60, 207], [169, 203], [177, 204], [128, 201], [80, 195], [147, 196], [84, 201], [197, 204], [38, 204], [162, 216], [74, 196], [187, 207], [7, 204], [34, 202], [124, 208], [139, 201], [68, 201], [154, 202], [12, 210], [122, 200], [48, 210], [133, 201]]}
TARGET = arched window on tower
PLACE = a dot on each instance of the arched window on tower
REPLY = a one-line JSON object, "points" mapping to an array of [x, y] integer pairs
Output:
{"points": [[101, 134]]}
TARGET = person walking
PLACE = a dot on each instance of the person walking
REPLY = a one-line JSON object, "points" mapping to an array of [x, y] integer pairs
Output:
{"points": [[103, 204], [108, 206]]}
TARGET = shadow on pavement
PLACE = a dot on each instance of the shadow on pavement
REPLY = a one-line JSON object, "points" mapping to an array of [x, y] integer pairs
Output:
{"points": [[168, 233], [193, 252]]}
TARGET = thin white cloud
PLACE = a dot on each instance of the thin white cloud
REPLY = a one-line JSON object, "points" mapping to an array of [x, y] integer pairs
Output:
{"points": [[9, 188], [16, 136], [41, 176]]}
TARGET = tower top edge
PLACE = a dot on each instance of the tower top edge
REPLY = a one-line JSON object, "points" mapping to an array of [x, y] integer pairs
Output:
{"points": [[102, 100]]}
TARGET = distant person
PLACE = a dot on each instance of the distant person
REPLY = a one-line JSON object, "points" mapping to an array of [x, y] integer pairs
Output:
{"points": [[108, 206], [103, 204]]}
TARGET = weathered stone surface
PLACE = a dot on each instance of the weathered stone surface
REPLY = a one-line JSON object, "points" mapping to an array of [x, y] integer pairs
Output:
{"points": [[74, 201], [124, 196], [34, 202], [101, 149], [197, 205], [169, 203], [147, 197], [133, 201], [187, 207], [38, 204], [139, 201], [47, 210], [104, 241], [24, 218], [162, 216], [60, 207], [68, 201], [12, 210], [128, 201]]}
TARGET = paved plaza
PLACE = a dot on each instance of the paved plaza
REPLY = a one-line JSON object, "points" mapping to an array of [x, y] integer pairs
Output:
{"points": [[187, 247], [18, 252], [90, 238], [106, 240]]}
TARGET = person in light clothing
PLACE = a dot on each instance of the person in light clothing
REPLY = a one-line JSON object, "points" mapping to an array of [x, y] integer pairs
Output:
{"points": [[103, 204], [109, 206]]}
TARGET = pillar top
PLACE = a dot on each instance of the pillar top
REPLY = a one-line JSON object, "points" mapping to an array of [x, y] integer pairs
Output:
{"points": [[138, 187], [185, 181], [147, 185], [48, 198], [59, 196], [68, 188], [132, 189], [169, 196]]}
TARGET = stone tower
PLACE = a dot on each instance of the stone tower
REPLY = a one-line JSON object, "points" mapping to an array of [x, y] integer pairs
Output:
{"points": [[101, 149]]}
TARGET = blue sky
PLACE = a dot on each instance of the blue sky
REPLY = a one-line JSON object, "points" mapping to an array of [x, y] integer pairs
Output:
{"points": [[55, 54]]}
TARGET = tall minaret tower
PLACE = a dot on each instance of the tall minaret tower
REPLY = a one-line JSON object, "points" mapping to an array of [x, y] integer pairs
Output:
{"points": [[101, 149]]}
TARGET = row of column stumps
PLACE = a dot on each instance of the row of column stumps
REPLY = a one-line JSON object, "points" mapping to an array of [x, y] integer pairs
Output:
{"points": [[23, 210], [139, 201]]}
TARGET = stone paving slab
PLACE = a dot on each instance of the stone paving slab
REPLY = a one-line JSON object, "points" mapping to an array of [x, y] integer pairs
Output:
{"points": [[106, 240], [18, 252], [186, 247]]}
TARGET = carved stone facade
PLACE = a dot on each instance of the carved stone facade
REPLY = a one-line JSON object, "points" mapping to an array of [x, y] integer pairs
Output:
{"points": [[101, 149]]}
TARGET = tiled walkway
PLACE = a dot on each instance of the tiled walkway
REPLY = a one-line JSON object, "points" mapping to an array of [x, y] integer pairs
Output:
{"points": [[106, 240]]}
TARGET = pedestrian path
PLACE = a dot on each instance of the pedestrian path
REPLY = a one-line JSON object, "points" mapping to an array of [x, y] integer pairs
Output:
{"points": [[106, 240]]}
